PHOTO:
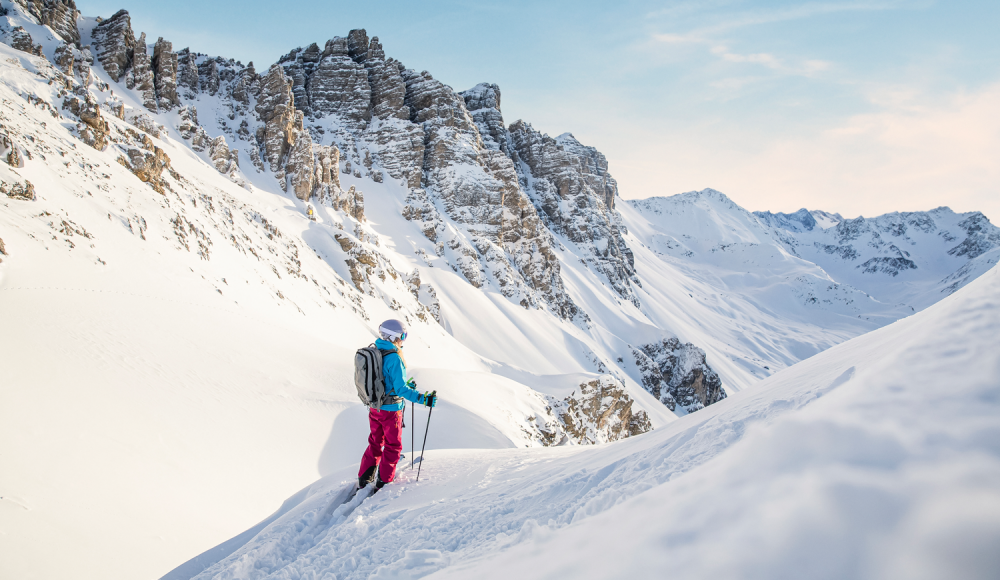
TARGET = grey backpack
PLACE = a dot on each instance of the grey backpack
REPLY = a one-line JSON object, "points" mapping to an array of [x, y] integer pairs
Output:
{"points": [[369, 378]]}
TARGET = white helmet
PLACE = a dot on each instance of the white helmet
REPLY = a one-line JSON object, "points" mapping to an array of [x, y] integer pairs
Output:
{"points": [[392, 329]]}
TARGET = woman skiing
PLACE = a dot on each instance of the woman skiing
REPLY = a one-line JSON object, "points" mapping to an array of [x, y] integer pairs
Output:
{"points": [[385, 442]]}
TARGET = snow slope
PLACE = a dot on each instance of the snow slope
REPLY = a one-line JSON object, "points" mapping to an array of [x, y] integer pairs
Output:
{"points": [[900, 257], [774, 289], [149, 381], [874, 459], [173, 362]]}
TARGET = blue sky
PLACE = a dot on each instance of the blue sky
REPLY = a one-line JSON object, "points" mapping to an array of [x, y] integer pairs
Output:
{"points": [[859, 107]]}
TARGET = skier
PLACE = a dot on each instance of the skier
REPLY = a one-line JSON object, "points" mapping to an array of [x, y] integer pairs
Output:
{"points": [[385, 442]]}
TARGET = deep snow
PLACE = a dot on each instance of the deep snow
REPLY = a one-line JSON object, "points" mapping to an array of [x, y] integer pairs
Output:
{"points": [[875, 459]]}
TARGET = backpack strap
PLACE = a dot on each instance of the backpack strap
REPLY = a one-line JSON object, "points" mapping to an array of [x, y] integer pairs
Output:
{"points": [[388, 399]]}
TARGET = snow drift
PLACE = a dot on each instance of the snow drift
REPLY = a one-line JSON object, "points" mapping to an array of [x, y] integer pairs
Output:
{"points": [[875, 459]]}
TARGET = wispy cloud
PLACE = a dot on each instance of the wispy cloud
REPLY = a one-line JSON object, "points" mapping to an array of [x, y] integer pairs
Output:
{"points": [[804, 67], [730, 21], [713, 34]]}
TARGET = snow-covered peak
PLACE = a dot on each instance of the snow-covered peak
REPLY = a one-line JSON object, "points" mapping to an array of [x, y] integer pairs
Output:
{"points": [[702, 221], [800, 221]]}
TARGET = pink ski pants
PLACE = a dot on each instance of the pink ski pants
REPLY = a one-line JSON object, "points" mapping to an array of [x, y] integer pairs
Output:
{"points": [[384, 444]]}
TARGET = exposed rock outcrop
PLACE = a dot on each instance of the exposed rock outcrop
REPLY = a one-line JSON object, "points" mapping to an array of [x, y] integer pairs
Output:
{"points": [[8, 150], [208, 76], [329, 82], [114, 42], [21, 40], [224, 159], [140, 77], [514, 220], [399, 144], [17, 190], [147, 163], [572, 189], [59, 15], [276, 109], [165, 74], [92, 128], [678, 375], [73, 61], [187, 73], [124, 56], [300, 166], [599, 411], [143, 122], [188, 121]]}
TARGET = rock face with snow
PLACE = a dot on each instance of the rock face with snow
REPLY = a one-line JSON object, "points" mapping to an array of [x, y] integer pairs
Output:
{"points": [[601, 412], [346, 100], [73, 61], [93, 129], [20, 39], [329, 82], [114, 42], [59, 15], [918, 248], [575, 193], [123, 55], [678, 375], [597, 411], [147, 162], [17, 190], [165, 74], [276, 111], [140, 77], [390, 122]]}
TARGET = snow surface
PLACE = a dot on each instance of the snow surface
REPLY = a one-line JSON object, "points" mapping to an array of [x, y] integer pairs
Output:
{"points": [[159, 397], [875, 459]]}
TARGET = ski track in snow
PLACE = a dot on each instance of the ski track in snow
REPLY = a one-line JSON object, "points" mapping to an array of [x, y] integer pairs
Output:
{"points": [[875, 459]]}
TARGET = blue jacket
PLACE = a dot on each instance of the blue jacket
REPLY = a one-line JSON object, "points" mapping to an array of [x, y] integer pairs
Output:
{"points": [[395, 377]]}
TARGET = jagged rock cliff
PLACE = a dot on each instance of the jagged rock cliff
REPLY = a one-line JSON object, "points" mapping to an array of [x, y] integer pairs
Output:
{"points": [[502, 206], [346, 107], [114, 42], [59, 15], [573, 190], [124, 56], [391, 122], [678, 375]]}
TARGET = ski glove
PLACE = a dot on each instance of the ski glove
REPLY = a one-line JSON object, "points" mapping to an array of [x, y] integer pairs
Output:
{"points": [[411, 383], [429, 399]]}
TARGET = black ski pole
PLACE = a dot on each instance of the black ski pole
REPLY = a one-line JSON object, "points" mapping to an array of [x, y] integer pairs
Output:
{"points": [[413, 409], [426, 429]]}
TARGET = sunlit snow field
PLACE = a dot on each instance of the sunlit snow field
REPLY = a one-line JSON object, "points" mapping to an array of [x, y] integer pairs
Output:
{"points": [[156, 405]]}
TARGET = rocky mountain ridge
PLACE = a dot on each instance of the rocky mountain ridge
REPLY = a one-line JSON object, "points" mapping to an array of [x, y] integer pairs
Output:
{"points": [[899, 258], [510, 210], [293, 123], [926, 247]]}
